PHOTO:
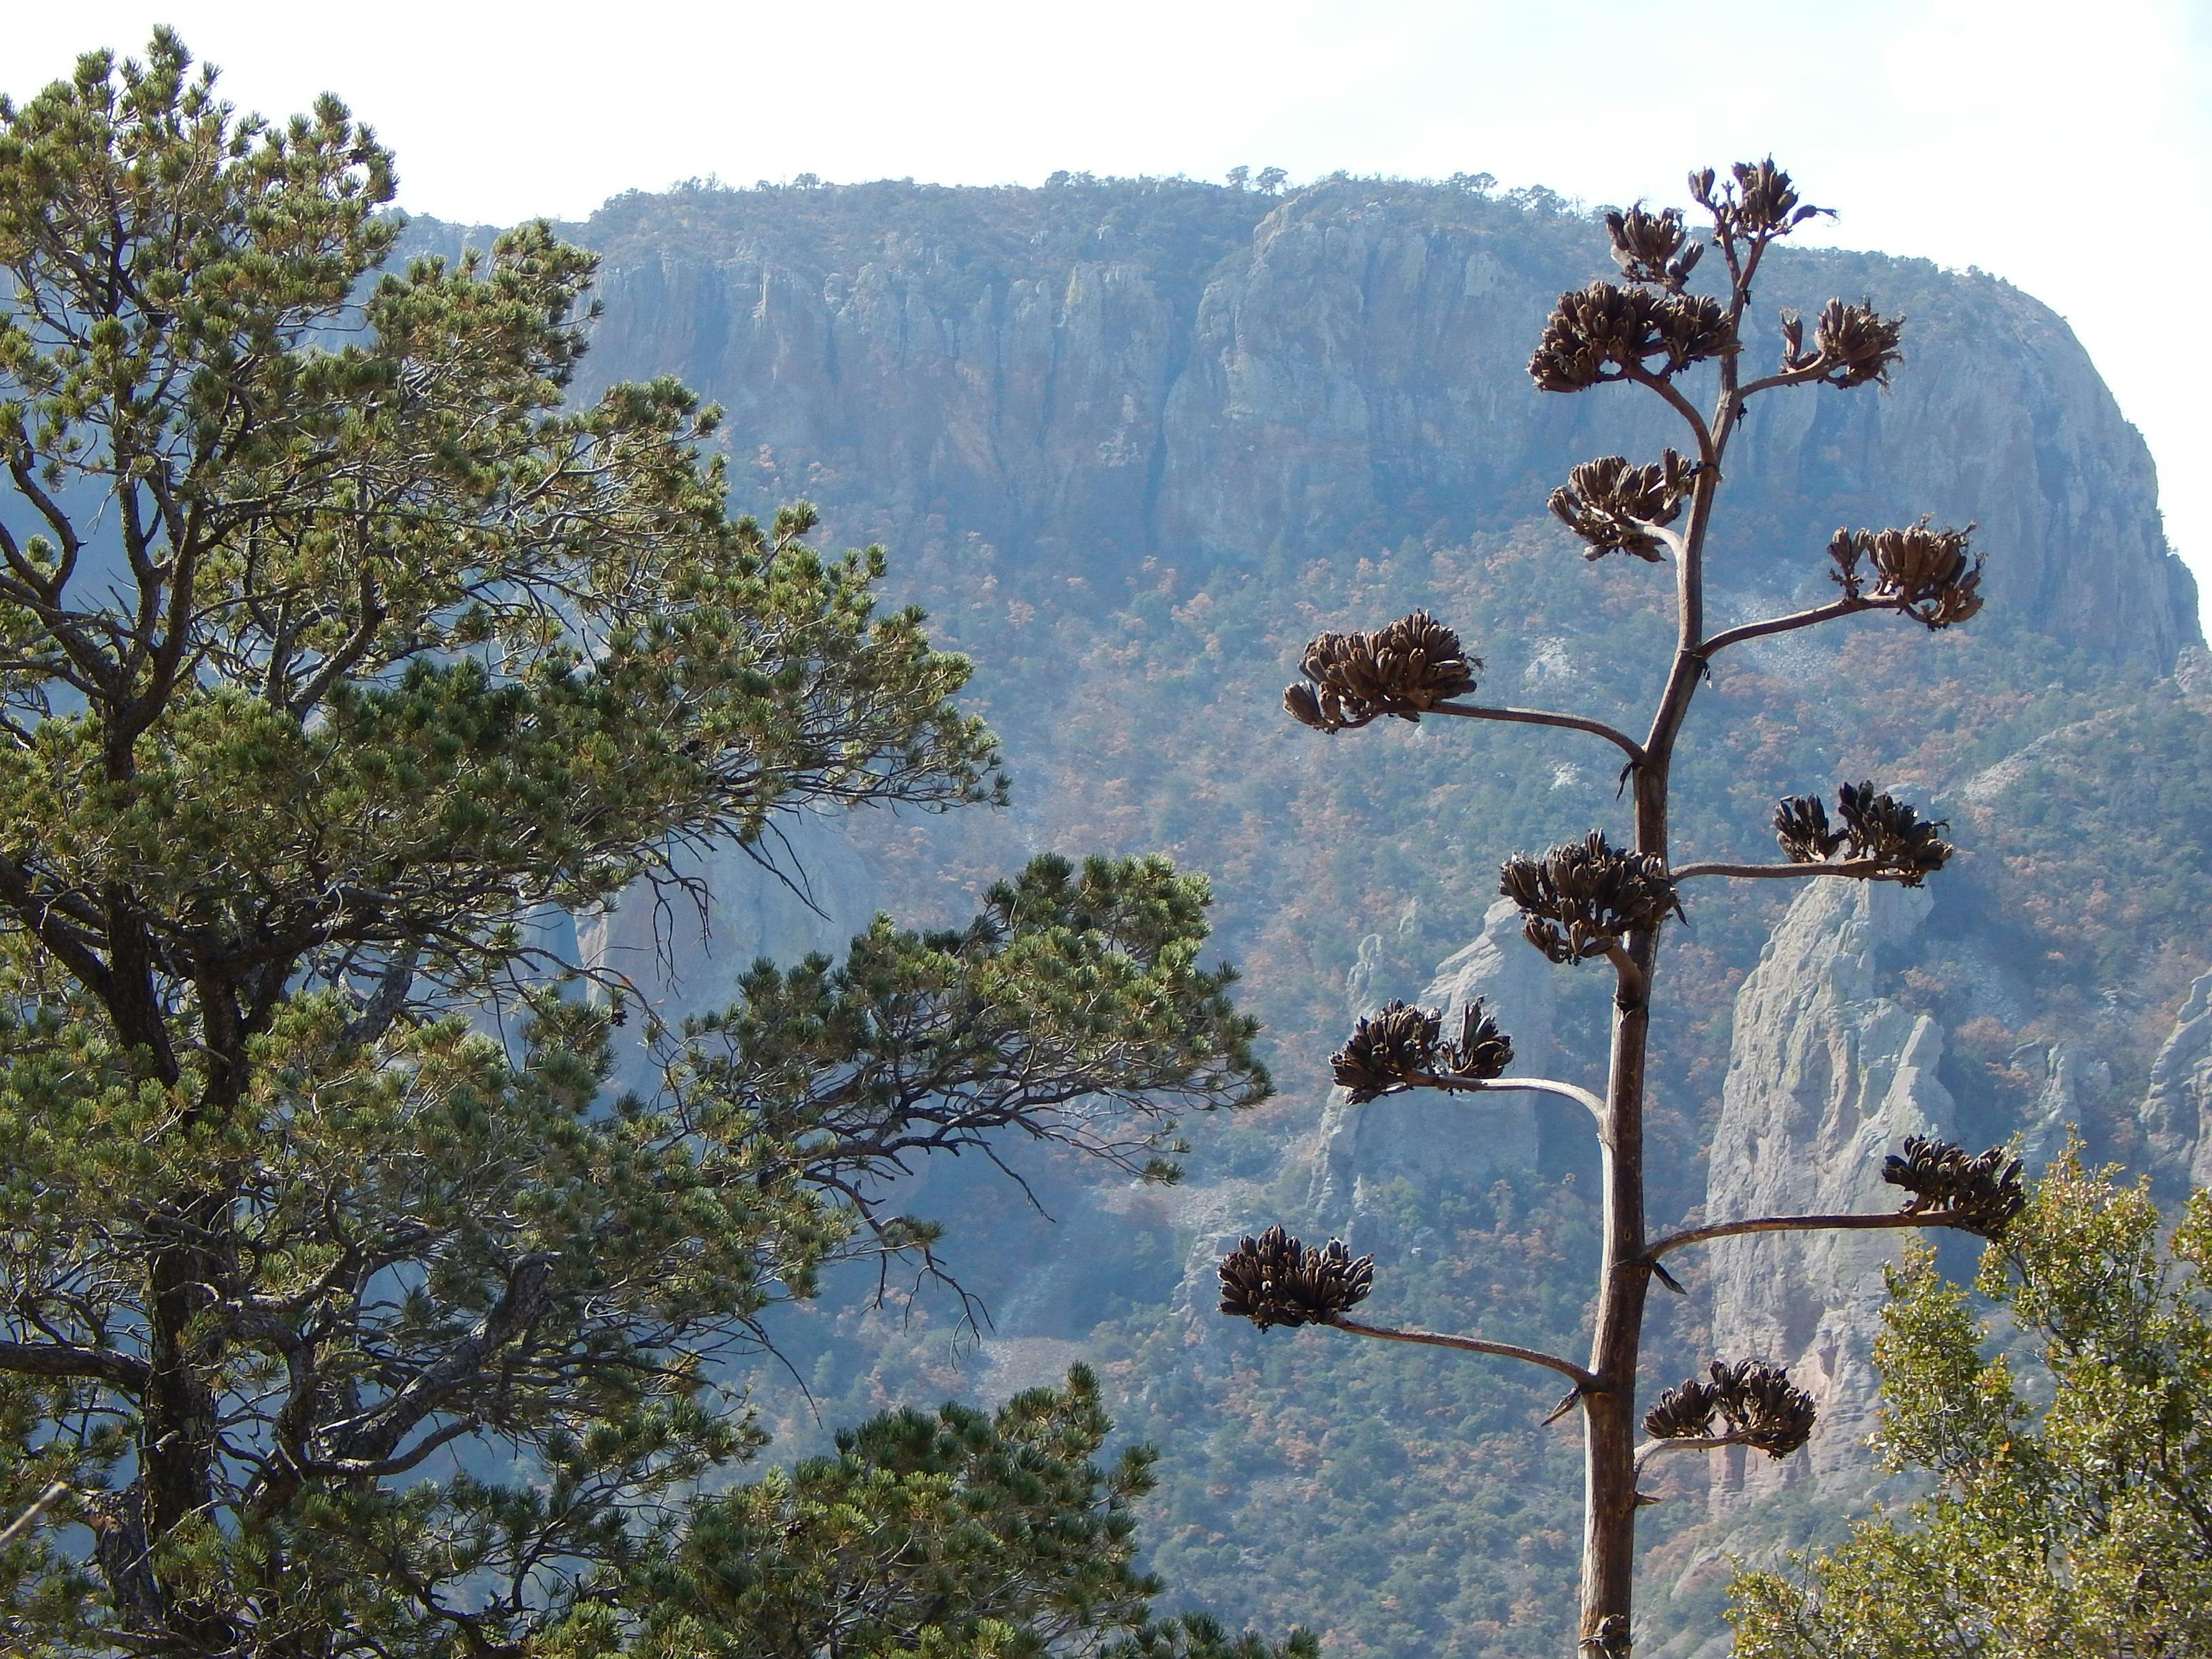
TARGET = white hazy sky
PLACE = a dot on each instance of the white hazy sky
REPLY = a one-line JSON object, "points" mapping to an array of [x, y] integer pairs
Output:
{"points": [[2067, 148]]}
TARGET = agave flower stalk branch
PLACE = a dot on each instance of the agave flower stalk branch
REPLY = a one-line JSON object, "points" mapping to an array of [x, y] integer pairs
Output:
{"points": [[1620, 740], [1635, 978], [1650, 1448], [1707, 451], [1583, 1380], [1805, 1224], [1454, 1083], [1797, 619], [1534, 1085], [1801, 375], [1862, 869]]}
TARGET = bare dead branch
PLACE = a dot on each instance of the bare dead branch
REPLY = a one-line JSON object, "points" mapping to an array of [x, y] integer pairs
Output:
{"points": [[14, 1530]]}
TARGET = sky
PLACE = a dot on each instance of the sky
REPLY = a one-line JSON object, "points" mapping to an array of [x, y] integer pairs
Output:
{"points": [[2066, 148]]}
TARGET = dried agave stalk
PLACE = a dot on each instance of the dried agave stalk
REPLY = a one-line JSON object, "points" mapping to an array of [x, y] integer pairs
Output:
{"points": [[1582, 897], [1587, 898], [1404, 669], [1926, 573], [1983, 1192], [1398, 1049], [1273, 1279], [1612, 505]]}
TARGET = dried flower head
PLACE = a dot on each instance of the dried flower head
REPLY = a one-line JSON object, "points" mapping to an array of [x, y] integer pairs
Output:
{"points": [[1756, 1403], [1273, 1279], [1611, 505], [1873, 826], [1684, 1412], [1984, 1191], [1883, 827], [1927, 574], [1760, 202], [1405, 669], [1761, 1407], [1851, 344], [1801, 825], [1581, 897], [1398, 1049], [1652, 247], [1767, 199], [1606, 333]]}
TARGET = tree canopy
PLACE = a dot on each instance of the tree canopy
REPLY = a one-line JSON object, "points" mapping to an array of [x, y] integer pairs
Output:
{"points": [[340, 658], [2068, 1432]]}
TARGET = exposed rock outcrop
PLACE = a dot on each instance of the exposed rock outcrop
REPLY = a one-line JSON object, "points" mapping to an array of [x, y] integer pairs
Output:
{"points": [[2177, 1111], [1825, 1076], [1426, 1138]]}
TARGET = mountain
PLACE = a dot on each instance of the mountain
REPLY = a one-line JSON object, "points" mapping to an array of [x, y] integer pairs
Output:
{"points": [[1133, 443]]}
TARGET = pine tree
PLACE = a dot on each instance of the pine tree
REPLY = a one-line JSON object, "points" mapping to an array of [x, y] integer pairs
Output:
{"points": [[339, 659]]}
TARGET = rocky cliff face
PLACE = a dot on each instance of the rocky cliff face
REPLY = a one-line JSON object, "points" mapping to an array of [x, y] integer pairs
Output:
{"points": [[1100, 374], [2177, 1112], [1825, 1076]]}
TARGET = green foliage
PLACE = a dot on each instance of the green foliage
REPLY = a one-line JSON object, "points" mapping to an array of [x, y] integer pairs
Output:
{"points": [[338, 654], [2070, 1516], [956, 1534]]}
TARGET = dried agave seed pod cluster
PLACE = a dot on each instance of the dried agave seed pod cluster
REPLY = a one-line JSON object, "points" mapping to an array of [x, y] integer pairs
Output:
{"points": [[1927, 574], [1762, 202], [1604, 332], [1984, 1191], [1610, 504], [1404, 669], [1876, 826], [1683, 1413], [1273, 1279], [1398, 1049], [1653, 247], [1581, 897], [1801, 825], [1757, 1405], [1762, 1408], [1882, 827], [1857, 342]]}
